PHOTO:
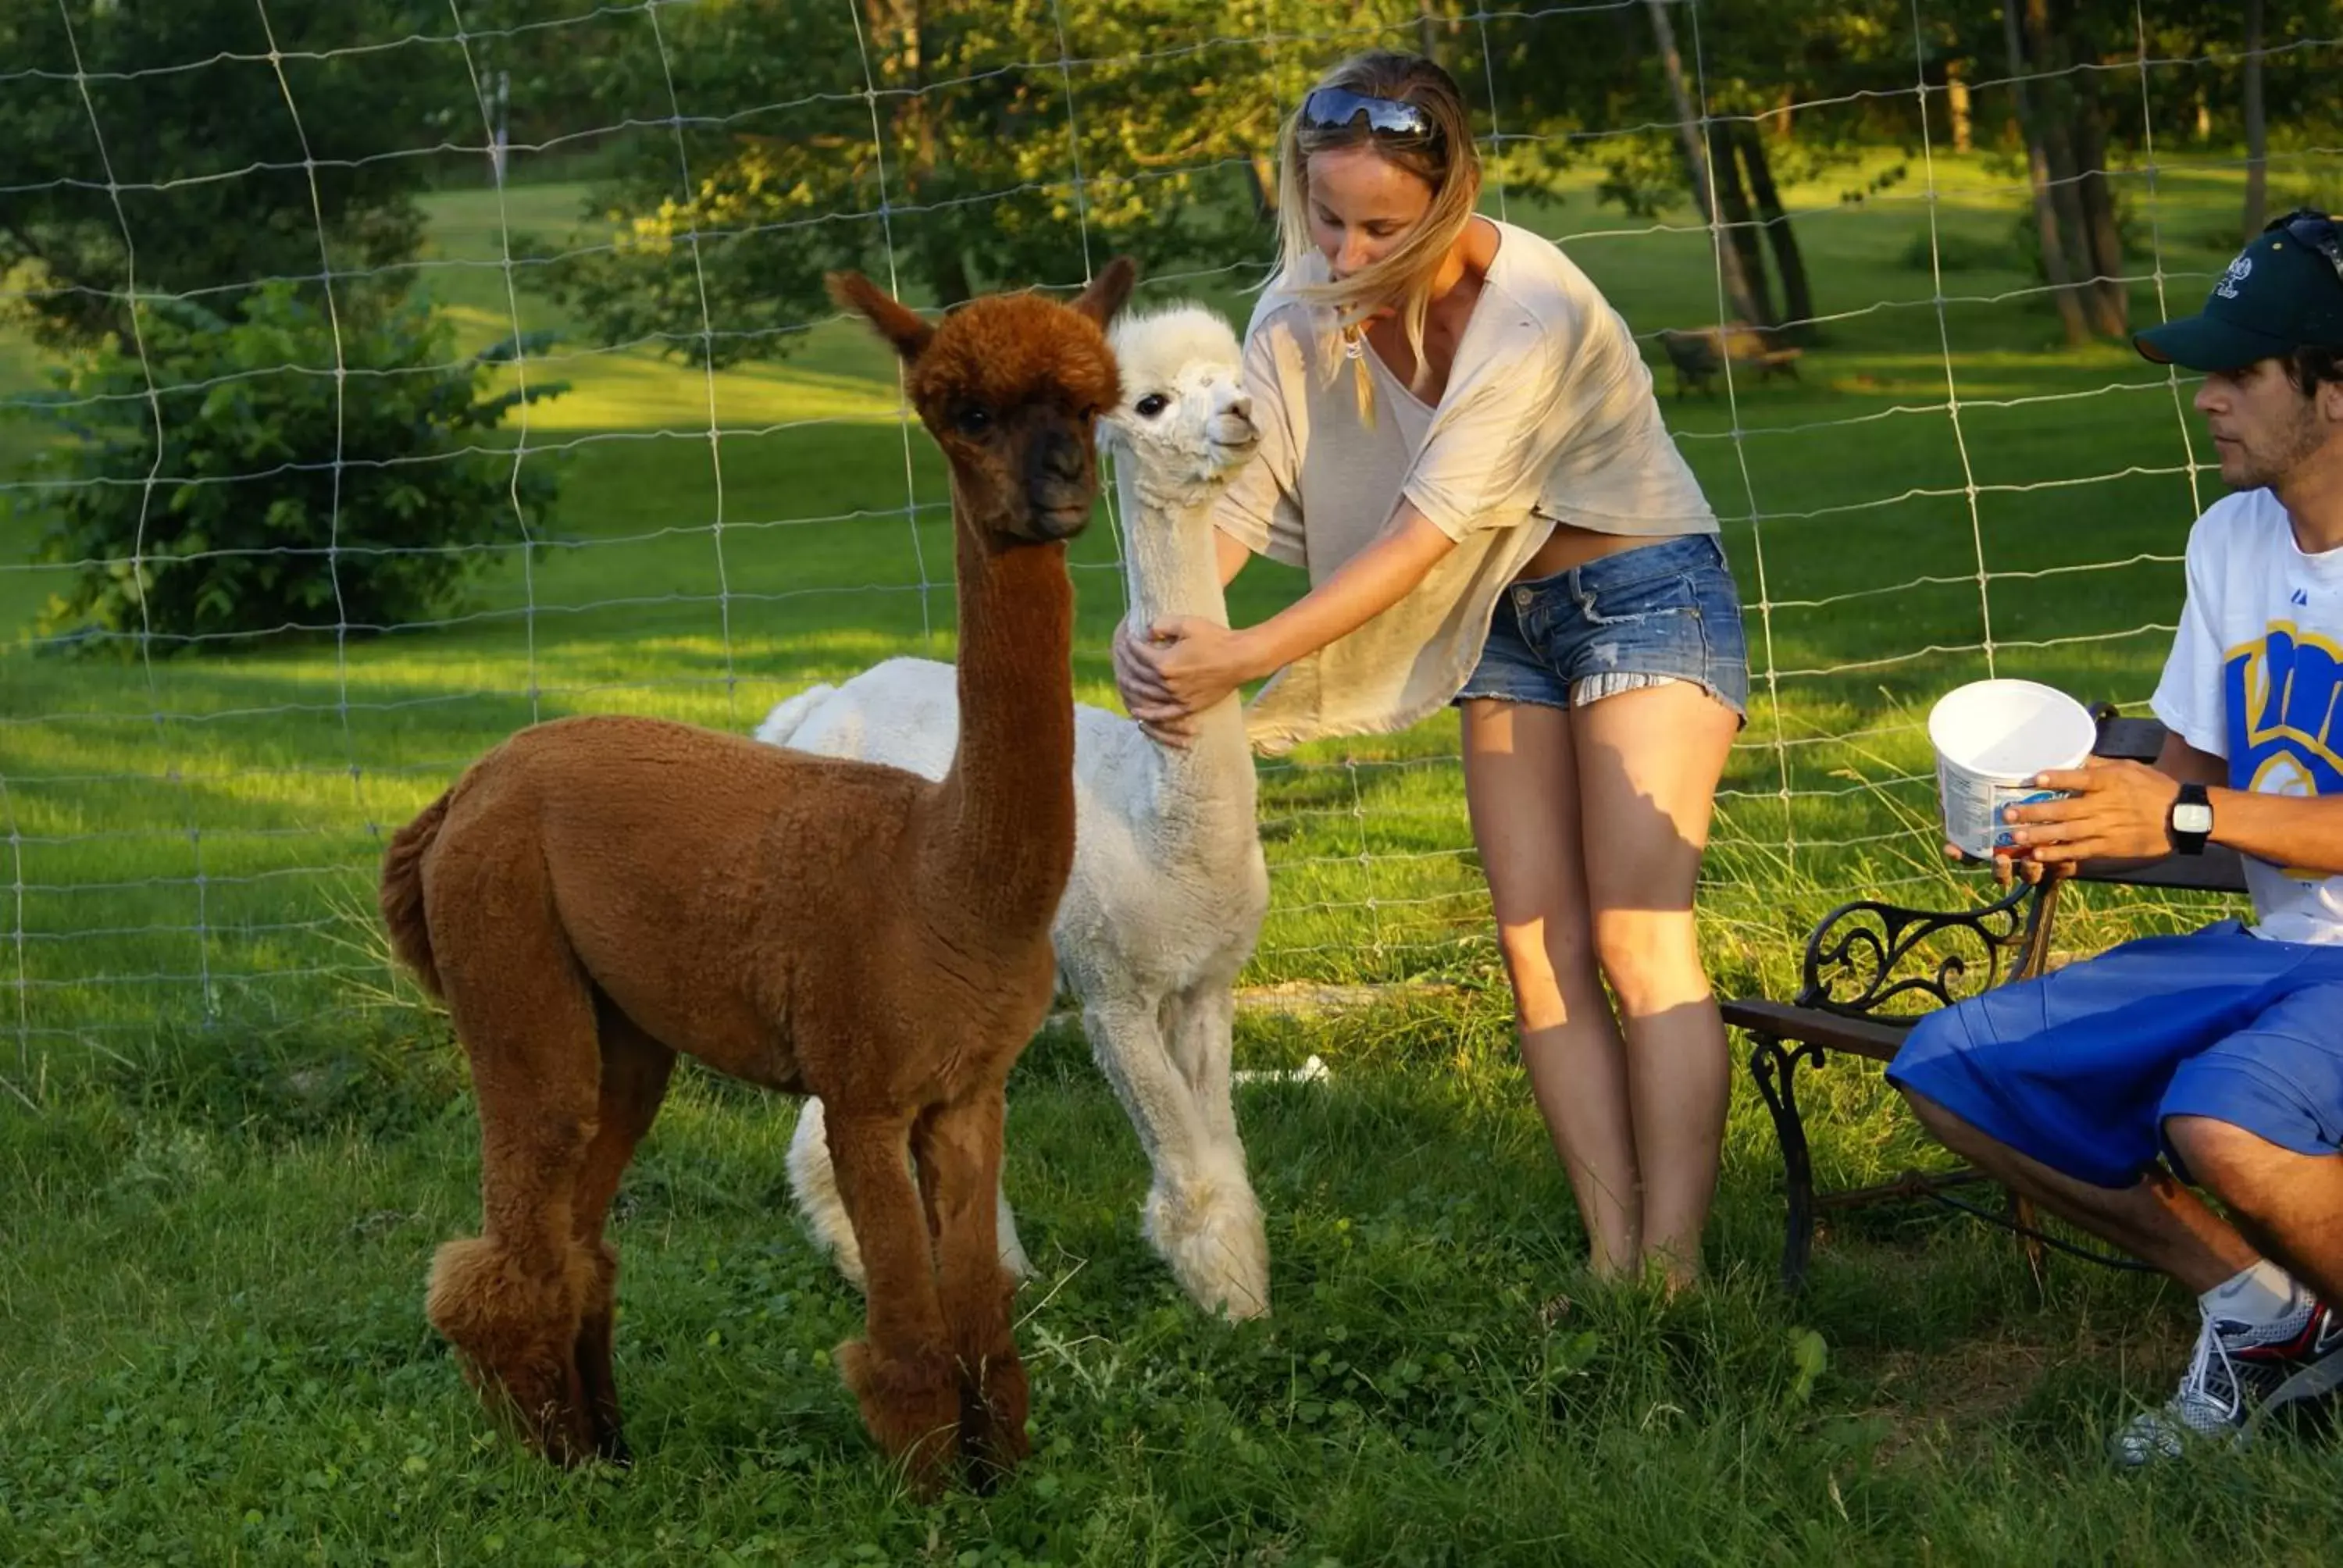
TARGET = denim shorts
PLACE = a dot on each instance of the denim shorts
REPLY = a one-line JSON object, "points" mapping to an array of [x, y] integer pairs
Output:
{"points": [[1645, 617]]}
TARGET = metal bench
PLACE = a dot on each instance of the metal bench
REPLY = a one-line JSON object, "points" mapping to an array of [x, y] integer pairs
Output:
{"points": [[1867, 957]]}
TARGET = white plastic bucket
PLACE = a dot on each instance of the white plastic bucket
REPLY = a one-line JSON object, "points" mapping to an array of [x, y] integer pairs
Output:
{"points": [[1992, 737]]}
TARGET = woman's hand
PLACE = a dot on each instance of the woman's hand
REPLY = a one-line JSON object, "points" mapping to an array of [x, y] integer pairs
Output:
{"points": [[1144, 691], [1185, 665]]}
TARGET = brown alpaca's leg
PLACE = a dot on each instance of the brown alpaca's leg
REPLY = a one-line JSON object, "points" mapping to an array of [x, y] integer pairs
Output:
{"points": [[958, 1148], [902, 1373], [635, 1070], [510, 1300]]}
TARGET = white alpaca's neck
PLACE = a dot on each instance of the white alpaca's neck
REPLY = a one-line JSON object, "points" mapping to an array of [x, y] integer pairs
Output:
{"points": [[1169, 567], [1172, 568]]}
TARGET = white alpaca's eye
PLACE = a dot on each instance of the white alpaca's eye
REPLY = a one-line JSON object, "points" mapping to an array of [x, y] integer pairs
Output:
{"points": [[1151, 405]]}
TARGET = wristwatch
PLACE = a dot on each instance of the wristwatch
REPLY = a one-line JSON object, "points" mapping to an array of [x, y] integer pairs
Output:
{"points": [[2191, 821]]}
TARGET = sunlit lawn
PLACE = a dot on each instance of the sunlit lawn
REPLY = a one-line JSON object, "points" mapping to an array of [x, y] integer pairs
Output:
{"points": [[219, 1213]]}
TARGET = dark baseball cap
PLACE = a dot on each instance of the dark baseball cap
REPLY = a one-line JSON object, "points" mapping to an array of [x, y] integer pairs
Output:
{"points": [[2283, 292]]}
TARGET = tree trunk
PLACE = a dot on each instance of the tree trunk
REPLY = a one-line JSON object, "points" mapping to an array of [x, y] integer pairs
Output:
{"points": [[947, 270], [1261, 175], [2110, 298], [2054, 120], [1737, 297], [2257, 127], [1956, 99], [1797, 296], [2030, 121], [1733, 210], [909, 163]]}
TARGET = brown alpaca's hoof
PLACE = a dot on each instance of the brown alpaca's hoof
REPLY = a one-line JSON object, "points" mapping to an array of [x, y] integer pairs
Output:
{"points": [[595, 1372], [993, 1407], [910, 1406], [516, 1339]]}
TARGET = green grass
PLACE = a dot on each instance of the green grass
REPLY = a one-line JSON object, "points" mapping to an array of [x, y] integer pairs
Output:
{"points": [[226, 1153], [213, 1279]]}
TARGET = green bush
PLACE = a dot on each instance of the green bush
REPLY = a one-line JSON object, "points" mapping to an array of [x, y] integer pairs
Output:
{"points": [[1956, 250], [2026, 234], [251, 524]]}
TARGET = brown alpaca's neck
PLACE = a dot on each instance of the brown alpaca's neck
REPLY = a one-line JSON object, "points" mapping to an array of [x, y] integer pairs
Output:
{"points": [[1005, 818]]}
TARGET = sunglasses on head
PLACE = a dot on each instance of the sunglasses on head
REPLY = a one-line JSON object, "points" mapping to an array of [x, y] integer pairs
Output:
{"points": [[1336, 108], [2314, 229]]}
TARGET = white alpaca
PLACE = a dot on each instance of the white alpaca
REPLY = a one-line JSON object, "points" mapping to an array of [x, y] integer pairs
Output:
{"points": [[1168, 888]]}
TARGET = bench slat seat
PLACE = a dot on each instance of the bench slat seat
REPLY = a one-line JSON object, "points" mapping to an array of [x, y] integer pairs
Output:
{"points": [[1873, 1039]]}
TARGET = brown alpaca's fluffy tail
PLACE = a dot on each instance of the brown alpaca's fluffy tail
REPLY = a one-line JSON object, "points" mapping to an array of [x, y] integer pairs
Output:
{"points": [[402, 893]]}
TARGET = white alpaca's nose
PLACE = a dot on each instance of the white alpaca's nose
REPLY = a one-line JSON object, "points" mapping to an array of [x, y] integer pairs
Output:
{"points": [[1232, 429]]}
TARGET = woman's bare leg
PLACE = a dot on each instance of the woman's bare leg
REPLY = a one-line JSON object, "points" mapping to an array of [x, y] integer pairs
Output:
{"points": [[1521, 785], [1648, 764]]}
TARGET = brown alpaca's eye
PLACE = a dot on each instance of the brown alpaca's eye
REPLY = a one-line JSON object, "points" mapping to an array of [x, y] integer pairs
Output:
{"points": [[1151, 405], [972, 420]]}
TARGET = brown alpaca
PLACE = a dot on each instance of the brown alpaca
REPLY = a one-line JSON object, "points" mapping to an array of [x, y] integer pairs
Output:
{"points": [[597, 894]]}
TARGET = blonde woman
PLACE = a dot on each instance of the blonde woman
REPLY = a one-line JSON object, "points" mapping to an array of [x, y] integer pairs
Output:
{"points": [[1461, 448]]}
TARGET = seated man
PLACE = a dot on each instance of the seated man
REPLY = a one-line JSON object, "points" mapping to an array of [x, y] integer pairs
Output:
{"points": [[2214, 1059]]}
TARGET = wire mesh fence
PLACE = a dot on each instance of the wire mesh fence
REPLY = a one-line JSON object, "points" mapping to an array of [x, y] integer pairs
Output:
{"points": [[691, 490]]}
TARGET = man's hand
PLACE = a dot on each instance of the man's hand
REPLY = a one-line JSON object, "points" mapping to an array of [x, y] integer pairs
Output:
{"points": [[2006, 866], [2113, 810]]}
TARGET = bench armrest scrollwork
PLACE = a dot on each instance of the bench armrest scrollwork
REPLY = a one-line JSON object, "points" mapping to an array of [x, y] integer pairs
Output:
{"points": [[1868, 954]]}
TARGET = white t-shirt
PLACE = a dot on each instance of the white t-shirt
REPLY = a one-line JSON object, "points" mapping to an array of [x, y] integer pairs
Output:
{"points": [[2255, 677], [1548, 415]]}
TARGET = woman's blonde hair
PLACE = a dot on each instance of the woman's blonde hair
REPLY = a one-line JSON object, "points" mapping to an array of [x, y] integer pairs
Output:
{"points": [[1447, 161]]}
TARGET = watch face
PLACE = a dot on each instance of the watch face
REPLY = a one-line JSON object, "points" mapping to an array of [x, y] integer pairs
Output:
{"points": [[2190, 818]]}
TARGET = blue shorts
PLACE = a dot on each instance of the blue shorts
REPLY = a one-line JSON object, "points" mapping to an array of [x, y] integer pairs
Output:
{"points": [[1656, 613], [2079, 1069]]}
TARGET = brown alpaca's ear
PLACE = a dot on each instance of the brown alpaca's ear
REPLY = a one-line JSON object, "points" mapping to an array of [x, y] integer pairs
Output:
{"points": [[1109, 290], [897, 323]]}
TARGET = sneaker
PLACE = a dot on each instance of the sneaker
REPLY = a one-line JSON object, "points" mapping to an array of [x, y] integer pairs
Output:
{"points": [[2238, 1375]]}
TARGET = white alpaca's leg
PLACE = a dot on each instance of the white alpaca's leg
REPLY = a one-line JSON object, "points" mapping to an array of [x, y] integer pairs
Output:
{"points": [[1012, 1251], [813, 1182], [1229, 1232], [1127, 1040]]}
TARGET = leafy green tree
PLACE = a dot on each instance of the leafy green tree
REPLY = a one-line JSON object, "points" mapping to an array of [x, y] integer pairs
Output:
{"points": [[1784, 85], [947, 134], [178, 109], [2076, 106], [281, 503]]}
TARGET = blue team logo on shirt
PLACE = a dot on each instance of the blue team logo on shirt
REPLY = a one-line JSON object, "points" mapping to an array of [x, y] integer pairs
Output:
{"points": [[2283, 696]]}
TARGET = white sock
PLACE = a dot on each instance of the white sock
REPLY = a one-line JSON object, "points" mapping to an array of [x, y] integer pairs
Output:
{"points": [[2255, 1297]]}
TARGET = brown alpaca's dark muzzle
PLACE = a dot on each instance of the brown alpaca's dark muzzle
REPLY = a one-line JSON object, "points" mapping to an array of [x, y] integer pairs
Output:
{"points": [[1053, 524], [1061, 484]]}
